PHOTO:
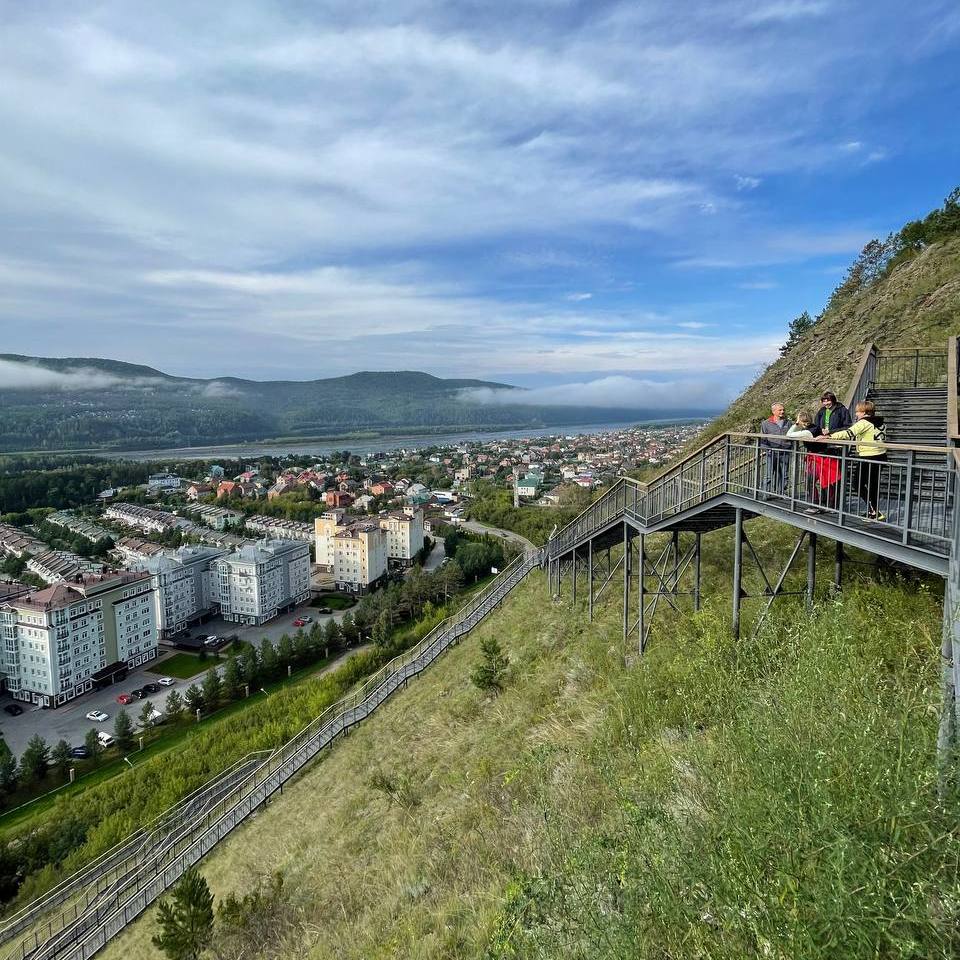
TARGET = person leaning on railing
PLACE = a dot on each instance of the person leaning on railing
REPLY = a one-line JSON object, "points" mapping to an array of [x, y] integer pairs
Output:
{"points": [[869, 431]]}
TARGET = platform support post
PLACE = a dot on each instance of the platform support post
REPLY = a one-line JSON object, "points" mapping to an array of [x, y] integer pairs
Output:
{"points": [[642, 591], [838, 567], [590, 580], [737, 572], [626, 580], [573, 576], [811, 568], [696, 573]]}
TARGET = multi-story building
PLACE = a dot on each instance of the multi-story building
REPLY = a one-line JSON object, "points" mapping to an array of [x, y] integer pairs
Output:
{"points": [[261, 580], [163, 481], [218, 518], [182, 590], [280, 527], [404, 531], [58, 566], [325, 528], [15, 543], [130, 550], [80, 525], [142, 518], [60, 642], [359, 556]]}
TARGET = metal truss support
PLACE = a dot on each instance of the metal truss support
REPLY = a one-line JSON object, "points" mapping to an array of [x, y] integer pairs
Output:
{"points": [[737, 572], [590, 580], [811, 568], [838, 567]]}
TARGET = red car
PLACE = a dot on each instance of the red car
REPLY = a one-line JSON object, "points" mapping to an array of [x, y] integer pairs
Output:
{"points": [[124, 698], [299, 623]]}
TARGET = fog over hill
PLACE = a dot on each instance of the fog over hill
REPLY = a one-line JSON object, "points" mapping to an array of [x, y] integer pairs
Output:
{"points": [[73, 403]]}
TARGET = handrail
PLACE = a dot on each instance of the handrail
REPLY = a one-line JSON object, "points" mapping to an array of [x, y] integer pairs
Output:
{"points": [[953, 386], [869, 352]]}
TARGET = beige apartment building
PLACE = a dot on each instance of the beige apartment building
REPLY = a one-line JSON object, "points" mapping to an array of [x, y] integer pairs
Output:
{"points": [[60, 642], [325, 528], [359, 556], [404, 535]]}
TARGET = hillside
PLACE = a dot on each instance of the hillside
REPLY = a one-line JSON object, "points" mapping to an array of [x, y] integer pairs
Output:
{"points": [[916, 304], [84, 403], [771, 797]]}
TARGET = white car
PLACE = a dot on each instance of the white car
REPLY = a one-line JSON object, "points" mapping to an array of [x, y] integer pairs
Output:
{"points": [[98, 716], [105, 739], [166, 681]]}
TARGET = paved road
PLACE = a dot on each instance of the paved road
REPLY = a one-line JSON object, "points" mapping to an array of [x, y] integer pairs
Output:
{"points": [[474, 526], [69, 721], [436, 556]]}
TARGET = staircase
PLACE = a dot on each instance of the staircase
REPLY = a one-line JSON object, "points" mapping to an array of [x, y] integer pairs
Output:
{"points": [[914, 415]]}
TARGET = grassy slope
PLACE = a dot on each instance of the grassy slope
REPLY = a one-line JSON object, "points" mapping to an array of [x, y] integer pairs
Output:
{"points": [[772, 797], [917, 305]]}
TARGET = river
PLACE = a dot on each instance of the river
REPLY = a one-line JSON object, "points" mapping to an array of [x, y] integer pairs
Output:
{"points": [[278, 448]]}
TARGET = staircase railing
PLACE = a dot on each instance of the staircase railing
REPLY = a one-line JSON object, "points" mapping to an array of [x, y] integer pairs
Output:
{"points": [[906, 499], [953, 388], [862, 378], [924, 367], [132, 893]]}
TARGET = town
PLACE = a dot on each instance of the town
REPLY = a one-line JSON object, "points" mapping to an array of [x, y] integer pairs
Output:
{"points": [[190, 560]]}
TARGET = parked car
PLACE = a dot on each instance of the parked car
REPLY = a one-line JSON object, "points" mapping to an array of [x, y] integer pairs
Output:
{"points": [[210, 642], [307, 619], [98, 716], [14, 709], [139, 693], [105, 739], [151, 688], [124, 698], [166, 681], [299, 623], [156, 717], [324, 610], [79, 753]]}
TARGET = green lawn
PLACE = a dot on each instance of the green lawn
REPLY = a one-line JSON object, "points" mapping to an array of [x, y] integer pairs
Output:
{"points": [[335, 601], [183, 666]]}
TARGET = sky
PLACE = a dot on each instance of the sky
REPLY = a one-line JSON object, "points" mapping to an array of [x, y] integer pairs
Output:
{"points": [[606, 202]]}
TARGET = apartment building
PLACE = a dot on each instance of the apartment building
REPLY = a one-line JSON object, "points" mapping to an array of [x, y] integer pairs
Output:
{"points": [[359, 556], [280, 528], [182, 589], [15, 543], [261, 580], [163, 481], [404, 533], [60, 642], [142, 518], [325, 528], [218, 518], [58, 566], [79, 525]]}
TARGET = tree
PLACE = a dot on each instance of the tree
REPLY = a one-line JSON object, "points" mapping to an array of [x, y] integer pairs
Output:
{"points": [[268, 659], [61, 757], [92, 742], [193, 699], [212, 689], [123, 730], [490, 671], [174, 705], [230, 687], [186, 918], [349, 630], [798, 327], [249, 665], [146, 714], [332, 637], [381, 630], [33, 763], [285, 651], [8, 769]]}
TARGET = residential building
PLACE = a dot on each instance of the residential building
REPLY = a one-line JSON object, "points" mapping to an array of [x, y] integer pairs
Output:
{"points": [[57, 566], [226, 488], [529, 486], [142, 518], [15, 543], [359, 556], [261, 580], [325, 528], [182, 589], [163, 481], [133, 549], [218, 518], [280, 528], [404, 532], [339, 498], [197, 490], [60, 642]]}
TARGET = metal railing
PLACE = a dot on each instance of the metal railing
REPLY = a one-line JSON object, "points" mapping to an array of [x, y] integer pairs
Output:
{"points": [[863, 378], [905, 497], [910, 368], [130, 894]]}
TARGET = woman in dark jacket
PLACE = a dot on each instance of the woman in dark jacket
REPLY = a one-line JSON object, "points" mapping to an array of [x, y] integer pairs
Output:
{"points": [[832, 415]]}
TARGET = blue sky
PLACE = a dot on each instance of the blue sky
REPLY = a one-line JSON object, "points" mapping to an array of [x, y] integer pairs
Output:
{"points": [[607, 202]]}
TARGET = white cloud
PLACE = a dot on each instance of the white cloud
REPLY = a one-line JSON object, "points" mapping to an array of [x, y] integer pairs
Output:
{"points": [[579, 296], [747, 183], [16, 375], [787, 10]]}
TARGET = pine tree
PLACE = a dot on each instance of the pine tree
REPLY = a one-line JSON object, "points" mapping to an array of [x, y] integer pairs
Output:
{"points": [[186, 918], [333, 637], [285, 652], [230, 688], [146, 714], [490, 671], [193, 699], [174, 705], [798, 327], [8, 769], [60, 756], [92, 742], [33, 763], [268, 659], [123, 730], [349, 630], [212, 689]]}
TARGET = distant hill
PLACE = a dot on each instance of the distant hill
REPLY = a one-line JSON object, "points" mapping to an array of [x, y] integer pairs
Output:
{"points": [[61, 403]]}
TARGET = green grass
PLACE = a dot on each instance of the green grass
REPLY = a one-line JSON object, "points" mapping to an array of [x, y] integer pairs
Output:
{"points": [[772, 797], [183, 666], [335, 601]]}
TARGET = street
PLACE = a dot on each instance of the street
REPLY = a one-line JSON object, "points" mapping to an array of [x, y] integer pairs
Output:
{"points": [[474, 526]]}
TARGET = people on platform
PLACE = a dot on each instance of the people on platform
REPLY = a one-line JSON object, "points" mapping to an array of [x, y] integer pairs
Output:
{"points": [[832, 415], [869, 432], [821, 471], [776, 449]]}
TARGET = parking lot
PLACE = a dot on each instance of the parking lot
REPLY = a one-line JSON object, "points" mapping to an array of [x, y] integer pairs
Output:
{"points": [[69, 721]]}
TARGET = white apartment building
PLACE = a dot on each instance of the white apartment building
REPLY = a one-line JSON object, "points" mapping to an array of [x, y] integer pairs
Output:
{"points": [[64, 640], [359, 556], [404, 532], [325, 528], [58, 566], [142, 518], [163, 481], [280, 528], [261, 580], [182, 589]]}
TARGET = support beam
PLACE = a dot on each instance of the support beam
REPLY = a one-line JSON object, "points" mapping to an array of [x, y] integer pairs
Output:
{"points": [[696, 587], [811, 568], [590, 579], [737, 571], [838, 567], [642, 591], [626, 580], [573, 576]]}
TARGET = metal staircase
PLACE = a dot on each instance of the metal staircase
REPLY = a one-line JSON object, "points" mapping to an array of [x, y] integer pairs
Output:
{"points": [[913, 414]]}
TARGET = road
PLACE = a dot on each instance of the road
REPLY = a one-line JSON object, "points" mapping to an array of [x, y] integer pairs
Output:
{"points": [[436, 556], [474, 526], [69, 721]]}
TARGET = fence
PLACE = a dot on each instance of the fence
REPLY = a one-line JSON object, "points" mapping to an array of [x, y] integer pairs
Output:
{"points": [[130, 894], [909, 368]]}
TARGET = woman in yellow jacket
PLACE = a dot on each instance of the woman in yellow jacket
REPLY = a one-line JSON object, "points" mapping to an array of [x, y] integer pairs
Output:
{"points": [[870, 433]]}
